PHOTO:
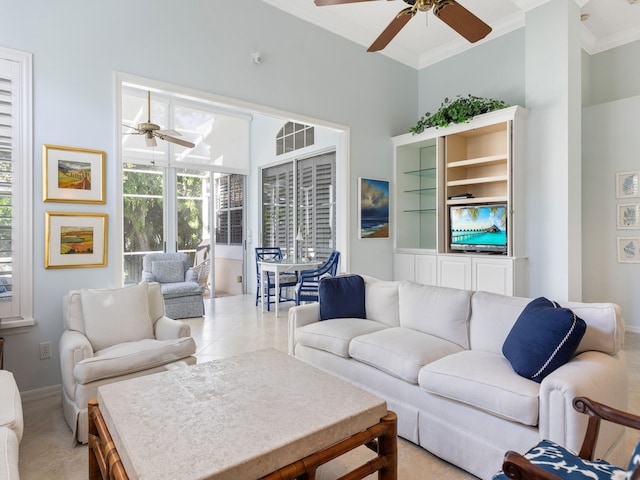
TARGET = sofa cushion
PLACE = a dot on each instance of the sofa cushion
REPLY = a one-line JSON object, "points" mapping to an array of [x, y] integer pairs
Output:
{"points": [[118, 315], [440, 311], [484, 380], [381, 301], [180, 289], [333, 336], [168, 271], [400, 351], [544, 337], [131, 357], [563, 463], [341, 297]]}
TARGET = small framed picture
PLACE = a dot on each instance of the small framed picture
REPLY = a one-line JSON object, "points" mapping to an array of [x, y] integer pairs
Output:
{"points": [[74, 175], [373, 208], [629, 216], [627, 185], [628, 250], [75, 240]]}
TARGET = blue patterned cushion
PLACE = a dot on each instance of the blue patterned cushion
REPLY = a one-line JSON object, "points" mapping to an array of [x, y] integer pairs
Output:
{"points": [[561, 462], [544, 337], [341, 297], [168, 271]]}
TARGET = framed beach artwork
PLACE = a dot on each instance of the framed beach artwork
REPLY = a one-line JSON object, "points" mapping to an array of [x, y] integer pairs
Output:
{"points": [[627, 184], [373, 208], [75, 175], [75, 240], [628, 250]]}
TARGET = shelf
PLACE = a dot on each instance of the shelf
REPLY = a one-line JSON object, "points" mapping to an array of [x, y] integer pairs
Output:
{"points": [[421, 210], [423, 191], [423, 172], [474, 181], [489, 160], [477, 200]]}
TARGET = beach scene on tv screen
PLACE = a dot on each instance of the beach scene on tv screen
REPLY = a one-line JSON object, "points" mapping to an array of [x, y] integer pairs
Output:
{"points": [[482, 225]]}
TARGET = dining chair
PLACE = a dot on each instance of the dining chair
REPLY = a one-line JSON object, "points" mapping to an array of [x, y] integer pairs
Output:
{"points": [[286, 279], [309, 280]]}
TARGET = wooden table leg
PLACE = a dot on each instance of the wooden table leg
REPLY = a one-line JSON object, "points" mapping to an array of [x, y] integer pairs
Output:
{"points": [[104, 460]]}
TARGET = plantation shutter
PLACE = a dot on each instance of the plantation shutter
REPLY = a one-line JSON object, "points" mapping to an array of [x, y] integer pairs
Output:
{"points": [[316, 204], [277, 208]]}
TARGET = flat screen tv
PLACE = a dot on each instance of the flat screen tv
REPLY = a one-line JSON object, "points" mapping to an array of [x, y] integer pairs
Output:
{"points": [[478, 228]]}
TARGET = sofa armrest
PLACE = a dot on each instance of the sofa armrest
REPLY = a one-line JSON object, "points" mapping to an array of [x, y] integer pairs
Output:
{"points": [[167, 328], [300, 316], [597, 375], [74, 347], [191, 276], [147, 277]]}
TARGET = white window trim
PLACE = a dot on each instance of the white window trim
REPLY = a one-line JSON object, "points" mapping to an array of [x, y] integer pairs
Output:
{"points": [[23, 179]]}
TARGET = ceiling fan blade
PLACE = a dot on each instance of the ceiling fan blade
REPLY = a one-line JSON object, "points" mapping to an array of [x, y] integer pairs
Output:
{"points": [[461, 20], [392, 29], [168, 132], [132, 128], [178, 141], [322, 3], [151, 141]]}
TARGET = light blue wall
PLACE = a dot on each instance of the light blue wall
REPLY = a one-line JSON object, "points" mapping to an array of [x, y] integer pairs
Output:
{"points": [[493, 70], [614, 74], [78, 46]]}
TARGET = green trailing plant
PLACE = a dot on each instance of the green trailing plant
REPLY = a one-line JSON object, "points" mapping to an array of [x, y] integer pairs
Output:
{"points": [[460, 110]]}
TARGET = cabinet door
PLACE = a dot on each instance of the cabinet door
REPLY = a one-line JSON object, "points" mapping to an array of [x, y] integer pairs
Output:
{"points": [[454, 271], [404, 266], [426, 269], [493, 275]]}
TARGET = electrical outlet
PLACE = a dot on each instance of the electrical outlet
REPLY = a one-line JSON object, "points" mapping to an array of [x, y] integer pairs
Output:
{"points": [[45, 350], [239, 279]]}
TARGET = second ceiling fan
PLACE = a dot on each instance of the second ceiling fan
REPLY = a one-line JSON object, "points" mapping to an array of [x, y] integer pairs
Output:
{"points": [[449, 11]]}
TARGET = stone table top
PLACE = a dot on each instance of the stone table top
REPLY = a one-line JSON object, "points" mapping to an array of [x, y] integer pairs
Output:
{"points": [[237, 418]]}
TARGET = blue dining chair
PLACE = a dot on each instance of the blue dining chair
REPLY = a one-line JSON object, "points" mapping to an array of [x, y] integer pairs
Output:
{"points": [[286, 279], [309, 280]]}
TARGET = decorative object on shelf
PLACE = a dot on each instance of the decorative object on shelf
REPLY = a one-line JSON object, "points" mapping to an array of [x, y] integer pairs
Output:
{"points": [[629, 216], [373, 211], [628, 250], [73, 175], [627, 184], [75, 240], [461, 110]]}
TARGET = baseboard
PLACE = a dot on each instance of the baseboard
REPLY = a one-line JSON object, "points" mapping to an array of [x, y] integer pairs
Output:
{"points": [[632, 329], [41, 393]]}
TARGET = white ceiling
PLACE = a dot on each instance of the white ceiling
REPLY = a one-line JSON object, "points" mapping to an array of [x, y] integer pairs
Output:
{"points": [[426, 40]]}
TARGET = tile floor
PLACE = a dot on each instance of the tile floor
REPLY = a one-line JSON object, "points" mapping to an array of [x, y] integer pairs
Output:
{"points": [[232, 325]]}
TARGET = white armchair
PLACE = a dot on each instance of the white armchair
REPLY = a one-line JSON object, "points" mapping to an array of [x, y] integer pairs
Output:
{"points": [[111, 335]]}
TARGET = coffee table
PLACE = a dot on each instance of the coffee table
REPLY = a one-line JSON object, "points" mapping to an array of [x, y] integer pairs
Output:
{"points": [[262, 414]]}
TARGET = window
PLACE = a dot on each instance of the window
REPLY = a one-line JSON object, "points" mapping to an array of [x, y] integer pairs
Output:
{"points": [[294, 136], [16, 217], [229, 207], [301, 219]]}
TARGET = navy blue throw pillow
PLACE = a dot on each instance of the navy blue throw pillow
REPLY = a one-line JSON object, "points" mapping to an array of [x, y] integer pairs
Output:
{"points": [[544, 337], [341, 297]]}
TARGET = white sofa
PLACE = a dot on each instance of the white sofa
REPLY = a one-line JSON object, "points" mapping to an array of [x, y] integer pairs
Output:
{"points": [[435, 355], [11, 426], [112, 335]]}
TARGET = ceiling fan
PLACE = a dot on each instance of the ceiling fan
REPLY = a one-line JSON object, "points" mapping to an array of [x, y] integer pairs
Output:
{"points": [[151, 131], [449, 11]]}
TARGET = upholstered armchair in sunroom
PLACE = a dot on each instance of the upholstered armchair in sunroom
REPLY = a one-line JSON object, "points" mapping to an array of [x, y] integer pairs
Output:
{"points": [[178, 281]]}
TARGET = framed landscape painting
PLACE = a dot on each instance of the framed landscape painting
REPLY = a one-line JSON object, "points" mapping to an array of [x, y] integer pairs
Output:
{"points": [[373, 208], [72, 174], [75, 240]]}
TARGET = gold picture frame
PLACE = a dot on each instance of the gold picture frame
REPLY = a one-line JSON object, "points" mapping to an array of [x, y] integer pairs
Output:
{"points": [[75, 240], [73, 175]]}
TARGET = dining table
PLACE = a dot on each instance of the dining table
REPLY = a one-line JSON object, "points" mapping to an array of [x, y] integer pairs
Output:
{"points": [[281, 266]]}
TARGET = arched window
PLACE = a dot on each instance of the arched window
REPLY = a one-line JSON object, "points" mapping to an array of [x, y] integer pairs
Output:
{"points": [[294, 136]]}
